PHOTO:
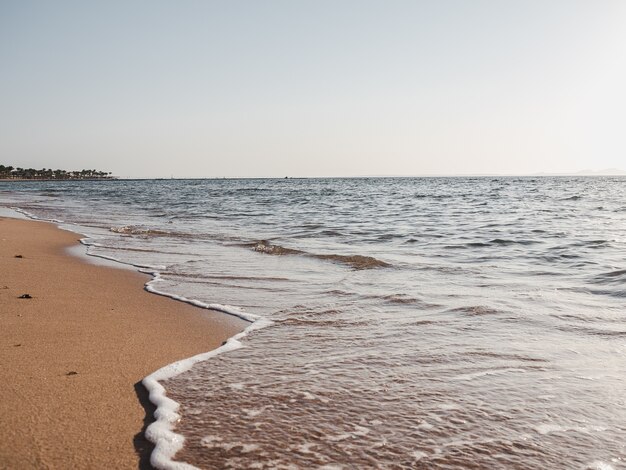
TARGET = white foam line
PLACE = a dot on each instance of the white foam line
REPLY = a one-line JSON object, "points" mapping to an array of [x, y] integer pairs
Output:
{"points": [[229, 309], [161, 431], [34, 217], [144, 268]]}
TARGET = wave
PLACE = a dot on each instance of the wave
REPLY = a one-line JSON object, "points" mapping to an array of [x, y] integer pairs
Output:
{"points": [[30, 215], [402, 299], [492, 243], [616, 277], [470, 245], [425, 322], [313, 322], [330, 233], [617, 273], [389, 236], [147, 232], [229, 277], [264, 246], [88, 242], [592, 243], [354, 261], [475, 310], [505, 242], [591, 331]]}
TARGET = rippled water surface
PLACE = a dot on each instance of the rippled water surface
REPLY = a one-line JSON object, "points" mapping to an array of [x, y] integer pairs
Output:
{"points": [[415, 323]]}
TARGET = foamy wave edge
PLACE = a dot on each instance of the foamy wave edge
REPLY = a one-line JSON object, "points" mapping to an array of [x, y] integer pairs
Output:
{"points": [[33, 216], [161, 432]]}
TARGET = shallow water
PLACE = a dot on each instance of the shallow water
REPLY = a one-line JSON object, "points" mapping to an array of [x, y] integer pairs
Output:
{"points": [[415, 323]]}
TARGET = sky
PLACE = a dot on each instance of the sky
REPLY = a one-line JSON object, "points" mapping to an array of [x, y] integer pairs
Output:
{"points": [[298, 88]]}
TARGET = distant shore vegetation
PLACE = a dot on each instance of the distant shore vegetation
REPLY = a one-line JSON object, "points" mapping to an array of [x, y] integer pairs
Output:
{"points": [[16, 173]]}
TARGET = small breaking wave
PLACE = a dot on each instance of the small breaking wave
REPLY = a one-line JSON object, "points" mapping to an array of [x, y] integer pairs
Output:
{"points": [[401, 299], [321, 323], [617, 277], [505, 242], [496, 242], [549, 428], [264, 246], [355, 261], [147, 232], [475, 310]]}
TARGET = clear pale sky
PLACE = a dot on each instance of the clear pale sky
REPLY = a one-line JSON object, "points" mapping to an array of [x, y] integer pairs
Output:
{"points": [[315, 88]]}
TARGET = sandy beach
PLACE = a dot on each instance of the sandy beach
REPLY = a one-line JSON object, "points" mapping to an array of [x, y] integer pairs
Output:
{"points": [[73, 355]]}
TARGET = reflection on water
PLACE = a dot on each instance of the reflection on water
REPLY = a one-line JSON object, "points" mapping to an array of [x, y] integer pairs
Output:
{"points": [[416, 323]]}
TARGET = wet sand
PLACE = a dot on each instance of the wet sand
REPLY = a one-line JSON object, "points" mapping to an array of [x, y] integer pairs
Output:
{"points": [[72, 356]]}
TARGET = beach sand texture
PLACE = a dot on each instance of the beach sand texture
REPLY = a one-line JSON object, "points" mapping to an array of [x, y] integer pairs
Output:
{"points": [[72, 356]]}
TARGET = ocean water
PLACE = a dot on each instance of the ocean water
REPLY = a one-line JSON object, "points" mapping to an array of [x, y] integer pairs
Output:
{"points": [[436, 323]]}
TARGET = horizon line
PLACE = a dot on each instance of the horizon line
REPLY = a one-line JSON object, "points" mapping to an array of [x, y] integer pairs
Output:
{"points": [[430, 175]]}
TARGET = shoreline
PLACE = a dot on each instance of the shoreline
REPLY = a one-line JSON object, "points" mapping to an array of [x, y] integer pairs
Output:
{"points": [[75, 353]]}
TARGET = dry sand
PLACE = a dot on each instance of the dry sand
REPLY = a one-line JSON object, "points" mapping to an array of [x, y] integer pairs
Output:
{"points": [[72, 357]]}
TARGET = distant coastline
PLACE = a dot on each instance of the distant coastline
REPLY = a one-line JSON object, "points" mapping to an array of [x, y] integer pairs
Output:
{"points": [[48, 174]]}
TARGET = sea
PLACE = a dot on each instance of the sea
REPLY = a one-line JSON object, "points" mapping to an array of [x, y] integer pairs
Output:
{"points": [[395, 323]]}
